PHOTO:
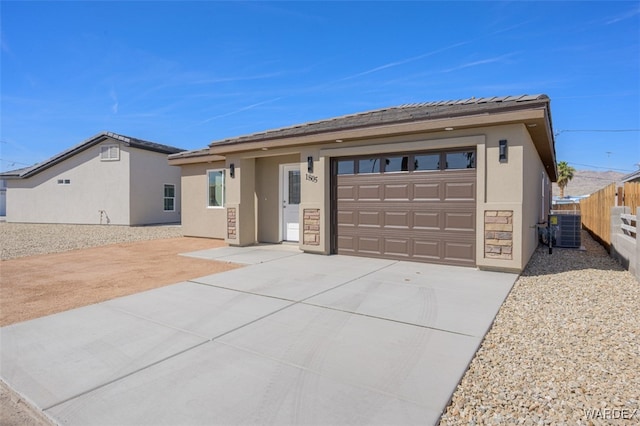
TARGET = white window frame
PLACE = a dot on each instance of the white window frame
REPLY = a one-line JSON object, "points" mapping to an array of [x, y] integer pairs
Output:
{"points": [[224, 189], [112, 152], [165, 198]]}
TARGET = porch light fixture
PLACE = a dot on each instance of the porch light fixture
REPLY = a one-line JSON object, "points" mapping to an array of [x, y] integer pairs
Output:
{"points": [[310, 164], [503, 151], [232, 170]]}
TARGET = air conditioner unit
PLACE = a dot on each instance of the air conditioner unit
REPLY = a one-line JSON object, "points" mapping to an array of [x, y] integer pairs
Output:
{"points": [[566, 230]]}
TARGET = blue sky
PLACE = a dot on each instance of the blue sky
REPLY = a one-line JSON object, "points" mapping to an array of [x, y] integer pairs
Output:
{"points": [[188, 73]]}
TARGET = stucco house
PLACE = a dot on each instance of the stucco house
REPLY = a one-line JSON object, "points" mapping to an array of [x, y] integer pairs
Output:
{"points": [[106, 179], [454, 182], [631, 177]]}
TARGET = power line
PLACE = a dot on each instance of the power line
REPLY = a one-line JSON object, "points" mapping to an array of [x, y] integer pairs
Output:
{"points": [[13, 162], [598, 130], [599, 167]]}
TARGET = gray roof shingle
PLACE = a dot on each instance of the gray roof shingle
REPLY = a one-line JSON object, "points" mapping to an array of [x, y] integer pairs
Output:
{"points": [[397, 114]]}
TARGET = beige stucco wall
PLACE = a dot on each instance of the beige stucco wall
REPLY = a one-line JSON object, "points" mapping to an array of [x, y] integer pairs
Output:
{"points": [[515, 185], [241, 197], [535, 198], [198, 220], [149, 173], [95, 185], [268, 196]]}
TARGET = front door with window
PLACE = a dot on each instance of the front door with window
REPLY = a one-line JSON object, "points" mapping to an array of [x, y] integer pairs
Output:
{"points": [[290, 202]]}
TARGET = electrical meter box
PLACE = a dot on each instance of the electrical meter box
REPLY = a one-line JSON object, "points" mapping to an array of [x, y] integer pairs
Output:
{"points": [[566, 230]]}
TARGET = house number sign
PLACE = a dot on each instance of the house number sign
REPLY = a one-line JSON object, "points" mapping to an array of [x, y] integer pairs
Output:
{"points": [[312, 178]]}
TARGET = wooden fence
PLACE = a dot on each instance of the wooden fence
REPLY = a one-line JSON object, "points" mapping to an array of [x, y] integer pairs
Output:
{"points": [[631, 195], [596, 210], [573, 207]]}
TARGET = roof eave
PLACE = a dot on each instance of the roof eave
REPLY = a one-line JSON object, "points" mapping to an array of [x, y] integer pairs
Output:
{"points": [[57, 159], [88, 143], [196, 160], [391, 129]]}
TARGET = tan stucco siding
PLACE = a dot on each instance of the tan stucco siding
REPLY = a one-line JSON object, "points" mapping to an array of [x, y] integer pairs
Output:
{"points": [[514, 185], [315, 194], [198, 220], [149, 173], [241, 199], [534, 204], [268, 196], [94, 186]]}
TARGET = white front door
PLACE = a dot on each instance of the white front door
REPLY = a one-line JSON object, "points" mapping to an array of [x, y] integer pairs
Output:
{"points": [[290, 202]]}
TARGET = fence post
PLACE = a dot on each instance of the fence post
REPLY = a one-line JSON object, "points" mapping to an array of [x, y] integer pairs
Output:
{"points": [[615, 230], [619, 196]]}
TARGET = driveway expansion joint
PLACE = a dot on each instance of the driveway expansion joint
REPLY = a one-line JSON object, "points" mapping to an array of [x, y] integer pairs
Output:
{"points": [[129, 374]]}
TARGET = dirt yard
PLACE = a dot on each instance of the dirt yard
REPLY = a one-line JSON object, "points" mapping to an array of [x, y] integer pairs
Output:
{"points": [[36, 286]]}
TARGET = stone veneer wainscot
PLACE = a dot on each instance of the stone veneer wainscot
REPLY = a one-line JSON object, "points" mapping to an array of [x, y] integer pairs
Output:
{"points": [[231, 223], [498, 234], [311, 227]]}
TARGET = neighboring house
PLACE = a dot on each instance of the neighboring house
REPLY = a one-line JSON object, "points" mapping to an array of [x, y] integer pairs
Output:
{"points": [[108, 178], [631, 177], [455, 182]]}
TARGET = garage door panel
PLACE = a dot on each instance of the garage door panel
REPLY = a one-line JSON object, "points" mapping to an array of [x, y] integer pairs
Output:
{"points": [[459, 191], [397, 219], [425, 220], [459, 252], [346, 243], [369, 192], [459, 221], [426, 191], [397, 247], [426, 249], [398, 192], [346, 217], [370, 245], [346, 192], [369, 218]]}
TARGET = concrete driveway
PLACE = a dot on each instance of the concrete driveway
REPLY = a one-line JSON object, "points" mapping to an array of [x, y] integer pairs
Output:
{"points": [[292, 338]]}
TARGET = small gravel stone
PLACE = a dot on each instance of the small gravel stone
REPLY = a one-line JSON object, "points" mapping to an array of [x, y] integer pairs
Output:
{"points": [[564, 344], [27, 239]]}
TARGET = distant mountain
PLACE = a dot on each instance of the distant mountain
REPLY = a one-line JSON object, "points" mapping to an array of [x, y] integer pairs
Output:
{"points": [[585, 182]]}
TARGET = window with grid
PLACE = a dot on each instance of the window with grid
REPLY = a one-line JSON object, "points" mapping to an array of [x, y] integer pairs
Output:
{"points": [[169, 198], [216, 188]]}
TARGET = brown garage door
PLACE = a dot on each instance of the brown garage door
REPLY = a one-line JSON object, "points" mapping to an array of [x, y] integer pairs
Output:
{"points": [[419, 207]]}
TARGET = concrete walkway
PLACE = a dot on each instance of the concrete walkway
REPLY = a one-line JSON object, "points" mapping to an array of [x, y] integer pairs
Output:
{"points": [[292, 338]]}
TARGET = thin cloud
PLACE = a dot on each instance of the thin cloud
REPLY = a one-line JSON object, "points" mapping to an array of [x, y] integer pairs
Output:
{"points": [[239, 78], [403, 61], [241, 110], [623, 17], [480, 62]]}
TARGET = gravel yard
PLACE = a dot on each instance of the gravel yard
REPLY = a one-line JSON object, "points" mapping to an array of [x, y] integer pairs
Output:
{"points": [[22, 239], [564, 349]]}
